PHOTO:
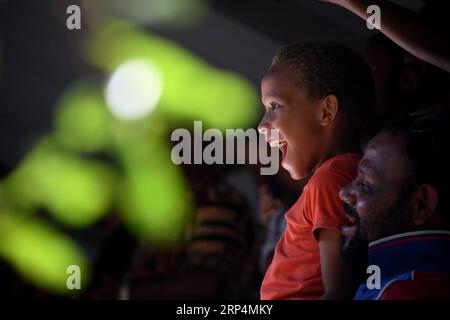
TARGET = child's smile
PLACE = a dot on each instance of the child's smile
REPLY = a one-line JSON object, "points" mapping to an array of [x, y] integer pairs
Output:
{"points": [[281, 144]]}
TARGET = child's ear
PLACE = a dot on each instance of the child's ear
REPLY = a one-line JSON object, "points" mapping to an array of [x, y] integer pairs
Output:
{"points": [[329, 109], [425, 203]]}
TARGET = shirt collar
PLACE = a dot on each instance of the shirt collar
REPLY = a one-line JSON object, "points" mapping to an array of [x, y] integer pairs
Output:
{"points": [[421, 251]]}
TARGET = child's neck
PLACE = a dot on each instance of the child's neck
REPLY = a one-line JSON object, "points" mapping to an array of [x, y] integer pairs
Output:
{"points": [[341, 144]]}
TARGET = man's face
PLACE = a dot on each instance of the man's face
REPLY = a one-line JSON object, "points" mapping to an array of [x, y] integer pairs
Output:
{"points": [[295, 116], [379, 198]]}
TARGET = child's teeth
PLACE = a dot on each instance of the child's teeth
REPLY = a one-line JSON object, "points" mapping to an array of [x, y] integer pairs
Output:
{"points": [[276, 143]]}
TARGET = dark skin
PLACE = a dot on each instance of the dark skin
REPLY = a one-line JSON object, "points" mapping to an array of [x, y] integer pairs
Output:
{"points": [[310, 132], [375, 195]]}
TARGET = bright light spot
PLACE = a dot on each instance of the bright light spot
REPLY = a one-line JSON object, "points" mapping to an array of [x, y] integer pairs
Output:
{"points": [[192, 88], [134, 90]]}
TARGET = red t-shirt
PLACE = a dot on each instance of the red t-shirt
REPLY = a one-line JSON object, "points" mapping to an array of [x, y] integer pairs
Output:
{"points": [[295, 269]]}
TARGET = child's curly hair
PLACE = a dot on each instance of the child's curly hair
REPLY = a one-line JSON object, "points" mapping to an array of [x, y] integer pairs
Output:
{"points": [[324, 68]]}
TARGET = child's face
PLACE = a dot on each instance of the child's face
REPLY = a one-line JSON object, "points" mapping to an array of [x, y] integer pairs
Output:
{"points": [[297, 119]]}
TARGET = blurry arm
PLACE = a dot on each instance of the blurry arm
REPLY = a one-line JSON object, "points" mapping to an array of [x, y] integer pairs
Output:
{"points": [[406, 29], [336, 273]]}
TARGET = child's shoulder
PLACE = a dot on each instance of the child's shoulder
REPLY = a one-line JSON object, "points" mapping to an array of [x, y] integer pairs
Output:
{"points": [[342, 162], [339, 169]]}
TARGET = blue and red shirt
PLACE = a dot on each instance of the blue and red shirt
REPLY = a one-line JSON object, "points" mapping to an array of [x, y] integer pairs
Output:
{"points": [[412, 265]]}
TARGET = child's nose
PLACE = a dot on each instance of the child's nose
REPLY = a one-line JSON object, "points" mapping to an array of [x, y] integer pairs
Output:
{"points": [[347, 194], [264, 126]]}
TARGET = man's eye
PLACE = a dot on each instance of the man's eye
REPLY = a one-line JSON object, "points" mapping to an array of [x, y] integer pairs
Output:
{"points": [[366, 186]]}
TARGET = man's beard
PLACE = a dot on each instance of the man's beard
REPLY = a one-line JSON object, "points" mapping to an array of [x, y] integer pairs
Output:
{"points": [[374, 226], [377, 225], [354, 248]]}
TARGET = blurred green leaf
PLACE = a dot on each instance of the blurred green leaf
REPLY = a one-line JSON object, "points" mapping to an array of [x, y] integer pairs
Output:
{"points": [[156, 203], [76, 191], [40, 254], [82, 121]]}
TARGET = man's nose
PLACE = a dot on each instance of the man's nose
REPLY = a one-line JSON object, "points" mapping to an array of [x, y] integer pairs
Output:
{"points": [[347, 194]]}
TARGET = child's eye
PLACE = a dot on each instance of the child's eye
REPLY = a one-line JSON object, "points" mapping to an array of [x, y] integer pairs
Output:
{"points": [[274, 106]]}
